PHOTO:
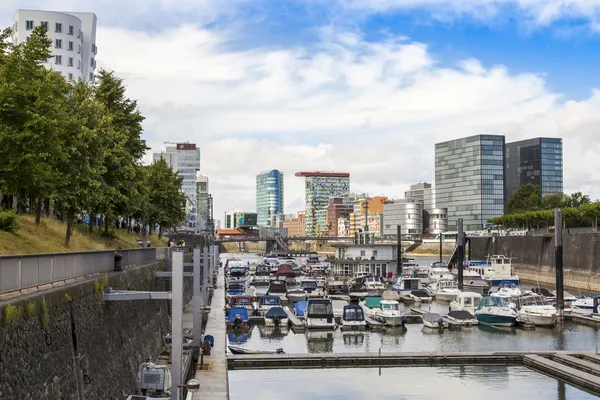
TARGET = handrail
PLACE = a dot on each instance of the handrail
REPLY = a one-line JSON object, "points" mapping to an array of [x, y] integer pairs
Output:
{"points": [[24, 271]]}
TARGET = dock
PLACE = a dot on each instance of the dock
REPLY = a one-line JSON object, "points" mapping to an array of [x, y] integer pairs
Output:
{"points": [[294, 321], [212, 375], [567, 367], [584, 319]]}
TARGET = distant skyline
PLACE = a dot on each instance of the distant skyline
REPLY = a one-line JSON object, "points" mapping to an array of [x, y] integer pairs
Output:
{"points": [[365, 87]]}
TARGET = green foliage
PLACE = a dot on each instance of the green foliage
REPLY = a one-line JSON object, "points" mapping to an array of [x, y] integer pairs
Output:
{"points": [[585, 215], [100, 286], [68, 298], [9, 221], [12, 314], [77, 145], [31, 310], [44, 314], [526, 198]]}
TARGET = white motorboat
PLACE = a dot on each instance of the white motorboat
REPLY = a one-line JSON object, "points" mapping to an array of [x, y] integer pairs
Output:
{"points": [[373, 284], [568, 298], [406, 283], [586, 305], [537, 310], [278, 288], [433, 321], [276, 316], [495, 270], [296, 294], [266, 303], [463, 318], [262, 274], [319, 314], [353, 318], [310, 287], [466, 301], [418, 296], [439, 271], [338, 308], [388, 312], [444, 289], [496, 311]]}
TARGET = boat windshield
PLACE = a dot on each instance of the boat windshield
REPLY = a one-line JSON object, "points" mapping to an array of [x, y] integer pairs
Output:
{"points": [[236, 286], [241, 301], [353, 314], [320, 308], [471, 301], [237, 273], [269, 301], [535, 301], [494, 301], [309, 285], [388, 306]]}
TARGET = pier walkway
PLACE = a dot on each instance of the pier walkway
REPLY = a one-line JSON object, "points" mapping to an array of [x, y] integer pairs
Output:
{"points": [[214, 383]]}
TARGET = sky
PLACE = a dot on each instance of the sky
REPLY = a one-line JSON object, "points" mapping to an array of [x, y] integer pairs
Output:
{"points": [[360, 86]]}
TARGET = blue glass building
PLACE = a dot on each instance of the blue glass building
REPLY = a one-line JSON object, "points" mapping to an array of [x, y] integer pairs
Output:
{"points": [[269, 195]]}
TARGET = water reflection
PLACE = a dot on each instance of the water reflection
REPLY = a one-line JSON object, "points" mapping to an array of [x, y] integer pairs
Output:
{"points": [[238, 336], [464, 382], [319, 341]]}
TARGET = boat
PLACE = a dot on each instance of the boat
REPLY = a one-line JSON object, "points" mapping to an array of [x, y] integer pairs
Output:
{"points": [[265, 303], [407, 283], [353, 318], [418, 296], [373, 284], [276, 316], [474, 283], [433, 321], [319, 314], [311, 287], [568, 298], [285, 272], [235, 289], [444, 289], [278, 288], [495, 311], [495, 270], [537, 310], [336, 287], [238, 275], [296, 294], [271, 260], [300, 309], [386, 312], [586, 305], [338, 308], [463, 318], [262, 274], [242, 301], [237, 317], [438, 272], [241, 350], [466, 301]]}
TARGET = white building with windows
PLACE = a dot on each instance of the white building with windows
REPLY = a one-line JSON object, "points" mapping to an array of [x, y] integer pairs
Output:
{"points": [[73, 40]]}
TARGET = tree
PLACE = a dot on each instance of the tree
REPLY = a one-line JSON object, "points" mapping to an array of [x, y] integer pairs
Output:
{"points": [[552, 201], [167, 201], [82, 162], [526, 198], [32, 115], [577, 199]]}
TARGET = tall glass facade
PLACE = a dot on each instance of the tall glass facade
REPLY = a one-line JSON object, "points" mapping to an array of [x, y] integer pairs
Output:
{"points": [[537, 161], [469, 179], [269, 195]]}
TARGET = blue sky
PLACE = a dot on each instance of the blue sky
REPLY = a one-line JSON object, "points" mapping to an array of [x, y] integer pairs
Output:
{"points": [[365, 87]]}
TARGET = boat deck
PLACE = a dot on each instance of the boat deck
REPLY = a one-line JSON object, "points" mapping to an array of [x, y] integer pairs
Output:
{"points": [[295, 322]]}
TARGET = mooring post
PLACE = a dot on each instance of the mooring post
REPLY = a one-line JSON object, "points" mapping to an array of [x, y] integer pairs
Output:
{"points": [[177, 322], [441, 245], [558, 254], [460, 240], [197, 299], [205, 275], [399, 256]]}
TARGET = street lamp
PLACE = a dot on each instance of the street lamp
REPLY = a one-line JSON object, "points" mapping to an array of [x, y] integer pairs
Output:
{"points": [[193, 385]]}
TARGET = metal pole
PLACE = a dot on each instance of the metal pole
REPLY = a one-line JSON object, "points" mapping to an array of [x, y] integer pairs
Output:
{"points": [[197, 298], [460, 240], [399, 239], [177, 322], [441, 244], [558, 253], [205, 275]]}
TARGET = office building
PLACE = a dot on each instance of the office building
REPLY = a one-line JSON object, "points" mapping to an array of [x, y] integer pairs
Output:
{"points": [[269, 195], [184, 158], [339, 207], [319, 187], [72, 36], [469, 179], [363, 205], [408, 213], [538, 161], [239, 219], [296, 226], [434, 219], [204, 214]]}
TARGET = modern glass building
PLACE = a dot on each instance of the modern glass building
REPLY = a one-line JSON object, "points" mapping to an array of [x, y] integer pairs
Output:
{"points": [[269, 195], [319, 187], [469, 179], [537, 161]]}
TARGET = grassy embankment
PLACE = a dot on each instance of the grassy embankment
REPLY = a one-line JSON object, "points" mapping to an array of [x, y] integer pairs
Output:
{"points": [[49, 237]]}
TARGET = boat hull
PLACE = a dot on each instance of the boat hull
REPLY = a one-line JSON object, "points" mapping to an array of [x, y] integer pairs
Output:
{"points": [[496, 320], [445, 296], [271, 322], [537, 319], [353, 325], [320, 323], [498, 281], [390, 320]]}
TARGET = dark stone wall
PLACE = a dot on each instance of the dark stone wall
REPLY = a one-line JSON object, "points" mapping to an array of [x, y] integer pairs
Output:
{"points": [[38, 343], [581, 252]]}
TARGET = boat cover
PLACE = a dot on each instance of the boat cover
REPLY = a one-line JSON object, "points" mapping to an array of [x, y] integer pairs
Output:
{"points": [[420, 293], [372, 301], [433, 317], [353, 312], [240, 312], [270, 301], [286, 270], [300, 308], [277, 287], [276, 312], [460, 315]]}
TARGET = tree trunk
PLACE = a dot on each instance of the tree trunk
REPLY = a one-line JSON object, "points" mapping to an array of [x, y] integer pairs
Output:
{"points": [[38, 211], [47, 208], [159, 232], [106, 223], [70, 218]]}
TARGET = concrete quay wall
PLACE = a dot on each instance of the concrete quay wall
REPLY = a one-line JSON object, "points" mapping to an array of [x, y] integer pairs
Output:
{"points": [[41, 333], [535, 259]]}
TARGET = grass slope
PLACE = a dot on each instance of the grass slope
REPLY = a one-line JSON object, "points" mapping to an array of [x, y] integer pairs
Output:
{"points": [[49, 237]]}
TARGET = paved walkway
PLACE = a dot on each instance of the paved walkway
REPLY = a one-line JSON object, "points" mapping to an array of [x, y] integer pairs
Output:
{"points": [[214, 384]]}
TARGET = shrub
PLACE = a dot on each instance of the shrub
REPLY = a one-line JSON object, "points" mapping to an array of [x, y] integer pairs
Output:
{"points": [[12, 314], [44, 314], [9, 221]]}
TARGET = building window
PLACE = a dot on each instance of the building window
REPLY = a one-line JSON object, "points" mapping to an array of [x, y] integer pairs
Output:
{"points": [[27, 39], [70, 77], [58, 60], [71, 29], [29, 25], [70, 62], [91, 76], [94, 49], [58, 27], [78, 64], [78, 33], [16, 27], [58, 43], [363, 253], [78, 49], [45, 24], [70, 46], [92, 62]]}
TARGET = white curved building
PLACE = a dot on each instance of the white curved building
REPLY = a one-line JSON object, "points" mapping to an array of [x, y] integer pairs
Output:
{"points": [[73, 38]]}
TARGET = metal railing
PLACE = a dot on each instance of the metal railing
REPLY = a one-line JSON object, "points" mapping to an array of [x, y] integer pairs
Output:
{"points": [[23, 271]]}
